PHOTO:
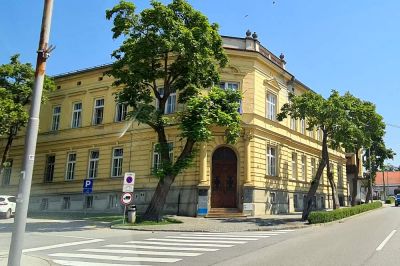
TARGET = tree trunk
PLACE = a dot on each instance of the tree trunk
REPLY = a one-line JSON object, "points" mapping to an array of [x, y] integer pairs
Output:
{"points": [[354, 180], [6, 151], [369, 191], [314, 184], [155, 209], [335, 196]]}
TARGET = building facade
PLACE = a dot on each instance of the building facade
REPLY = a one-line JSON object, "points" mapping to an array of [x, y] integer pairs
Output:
{"points": [[84, 134]]}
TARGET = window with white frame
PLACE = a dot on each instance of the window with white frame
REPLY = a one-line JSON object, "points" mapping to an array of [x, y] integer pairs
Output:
{"points": [[271, 106], [76, 115], [170, 104], [113, 201], [302, 126], [227, 85], [7, 170], [71, 161], [49, 170], [98, 111], [120, 112], [271, 160], [303, 167], [293, 124], [94, 157], [117, 159], [157, 154], [55, 122], [294, 165]]}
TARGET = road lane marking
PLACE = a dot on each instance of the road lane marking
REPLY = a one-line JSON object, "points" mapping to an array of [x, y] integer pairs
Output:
{"points": [[228, 235], [84, 263], [238, 234], [199, 241], [179, 248], [141, 252], [77, 237], [62, 245], [180, 244], [380, 247], [116, 258], [210, 238]]}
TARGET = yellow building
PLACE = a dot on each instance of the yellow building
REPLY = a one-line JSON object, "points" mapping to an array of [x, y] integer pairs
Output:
{"points": [[83, 134]]}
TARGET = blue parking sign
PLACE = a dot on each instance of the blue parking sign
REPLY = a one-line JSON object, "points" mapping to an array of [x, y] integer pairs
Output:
{"points": [[87, 186]]}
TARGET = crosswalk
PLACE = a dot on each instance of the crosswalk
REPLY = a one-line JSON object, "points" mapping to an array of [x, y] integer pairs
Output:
{"points": [[159, 250]]}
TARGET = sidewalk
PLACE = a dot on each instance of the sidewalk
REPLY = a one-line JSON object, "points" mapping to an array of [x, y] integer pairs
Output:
{"points": [[26, 260], [258, 223]]}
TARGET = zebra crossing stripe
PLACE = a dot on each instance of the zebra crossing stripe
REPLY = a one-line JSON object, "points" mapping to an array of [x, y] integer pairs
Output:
{"points": [[116, 258], [62, 245], [210, 238], [230, 235], [84, 263], [180, 244], [162, 248], [198, 241], [141, 252]]}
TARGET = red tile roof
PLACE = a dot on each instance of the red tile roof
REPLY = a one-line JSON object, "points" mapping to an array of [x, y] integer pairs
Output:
{"points": [[391, 178]]}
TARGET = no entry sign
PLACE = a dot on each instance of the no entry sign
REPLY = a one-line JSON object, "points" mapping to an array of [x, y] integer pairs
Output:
{"points": [[126, 198]]}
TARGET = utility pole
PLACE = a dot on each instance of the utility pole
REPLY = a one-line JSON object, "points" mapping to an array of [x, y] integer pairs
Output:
{"points": [[14, 257]]}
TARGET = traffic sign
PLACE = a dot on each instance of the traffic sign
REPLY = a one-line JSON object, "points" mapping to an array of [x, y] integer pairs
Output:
{"points": [[126, 198], [129, 182], [88, 186]]}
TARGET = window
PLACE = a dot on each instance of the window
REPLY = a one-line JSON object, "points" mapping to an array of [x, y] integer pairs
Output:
{"points": [[93, 163], [293, 123], [7, 172], [98, 112], [117, 157], [231, 86], [271, 106], [76, 115], [294, 165], [302, 126], [340, 175], [66, 204], [272, 197], [303, 167], [120, 112], [170, 105], [55, 124], [322, 202], [113, 201], [313, 169], [88, 202], [157, 154], [295, 201], [271, 161], [71, 161], [49, 170], [44, 204]]}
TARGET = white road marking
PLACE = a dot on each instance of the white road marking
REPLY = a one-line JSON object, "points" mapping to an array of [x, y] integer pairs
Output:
{"points": [[380, 247], [210, 238], [62, 245], [2, 228], [179, 244], [141, 252], [116, 258], [228, 235], [162, 248], [84, 263], [239, 234], [282, 230], [199, 241], [77, 237]]}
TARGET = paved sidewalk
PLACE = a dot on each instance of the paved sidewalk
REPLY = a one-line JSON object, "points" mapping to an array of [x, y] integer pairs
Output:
{"points": [[26, 260], [259, 223]]}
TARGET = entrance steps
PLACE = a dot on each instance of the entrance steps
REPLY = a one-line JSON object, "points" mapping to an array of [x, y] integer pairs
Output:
{"points": [[224, 213]]}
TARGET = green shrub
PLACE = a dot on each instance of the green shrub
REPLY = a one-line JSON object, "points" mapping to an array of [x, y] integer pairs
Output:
{"points": [[390, 200], [329, 216]]}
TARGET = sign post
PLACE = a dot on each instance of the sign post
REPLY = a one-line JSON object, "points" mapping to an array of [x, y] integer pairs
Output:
{"points": [[87, 186], [129, 182], [126, 199]]}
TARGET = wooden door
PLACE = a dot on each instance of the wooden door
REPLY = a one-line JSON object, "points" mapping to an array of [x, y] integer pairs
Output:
{"points": [[224, 179]]}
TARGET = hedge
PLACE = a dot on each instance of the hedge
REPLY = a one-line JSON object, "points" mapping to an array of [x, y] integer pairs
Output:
{"points": [[329, 216]]}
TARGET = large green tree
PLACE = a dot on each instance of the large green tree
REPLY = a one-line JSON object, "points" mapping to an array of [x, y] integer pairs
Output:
{"points": [[175, 48], [327, 115], [16, 87]]}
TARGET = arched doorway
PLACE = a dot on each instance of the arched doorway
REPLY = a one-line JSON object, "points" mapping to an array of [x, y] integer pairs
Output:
{"points": [[224, 178]]}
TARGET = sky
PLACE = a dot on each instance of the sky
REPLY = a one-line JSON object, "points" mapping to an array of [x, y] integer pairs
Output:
{"points": [[332, 44]]}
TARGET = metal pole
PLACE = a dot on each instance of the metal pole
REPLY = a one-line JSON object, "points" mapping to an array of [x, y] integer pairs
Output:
{"points": [[14, 257]]}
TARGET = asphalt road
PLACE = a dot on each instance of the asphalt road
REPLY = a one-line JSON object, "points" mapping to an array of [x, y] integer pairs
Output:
{"points": [[368, 239]]}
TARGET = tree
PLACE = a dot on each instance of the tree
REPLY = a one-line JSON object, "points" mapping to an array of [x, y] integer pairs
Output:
{"points": [[172, 49], [16, 87], [329, 116]]}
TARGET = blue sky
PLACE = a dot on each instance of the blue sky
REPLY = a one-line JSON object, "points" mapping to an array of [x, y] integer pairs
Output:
{"points": [[331, 44]]}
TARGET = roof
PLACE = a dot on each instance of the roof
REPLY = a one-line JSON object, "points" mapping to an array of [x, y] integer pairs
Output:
{"points": [[391, 178]]}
